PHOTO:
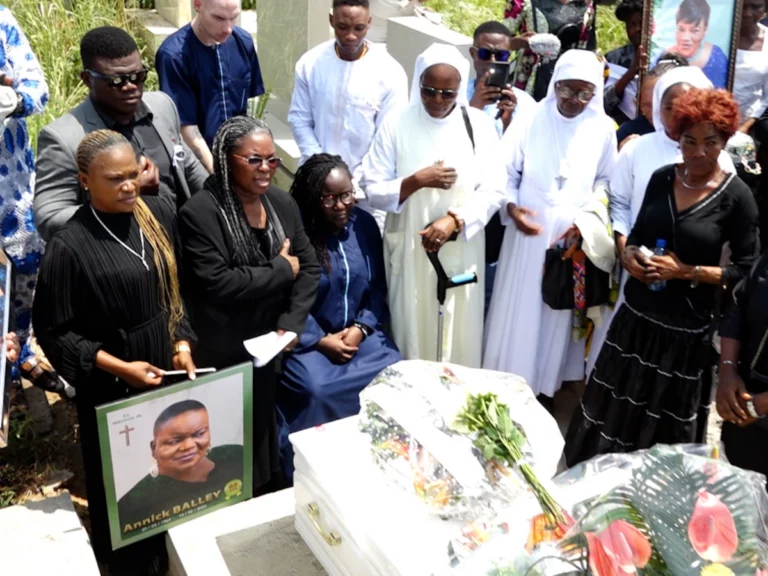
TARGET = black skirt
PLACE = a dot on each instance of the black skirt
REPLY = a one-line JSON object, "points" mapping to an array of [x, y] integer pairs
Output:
{"points": [[646, 388]]}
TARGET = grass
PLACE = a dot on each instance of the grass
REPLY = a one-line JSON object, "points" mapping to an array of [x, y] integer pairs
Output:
{"points": [[28, 459], [54, 29]]}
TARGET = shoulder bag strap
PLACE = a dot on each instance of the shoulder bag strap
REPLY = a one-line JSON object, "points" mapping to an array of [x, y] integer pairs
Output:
{"points": [[468, 125]]}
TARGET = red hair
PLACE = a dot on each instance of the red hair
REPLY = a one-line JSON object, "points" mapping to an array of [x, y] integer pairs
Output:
{"points": [[716, 107]]}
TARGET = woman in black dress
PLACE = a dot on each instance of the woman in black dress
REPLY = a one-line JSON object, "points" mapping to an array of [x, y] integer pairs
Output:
{"points": [[646, 387], [250, 270], [108, 314], [742, 393]]}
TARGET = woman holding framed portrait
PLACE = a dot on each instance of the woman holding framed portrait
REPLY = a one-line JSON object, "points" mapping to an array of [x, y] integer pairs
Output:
{"points": [[108, 313]]}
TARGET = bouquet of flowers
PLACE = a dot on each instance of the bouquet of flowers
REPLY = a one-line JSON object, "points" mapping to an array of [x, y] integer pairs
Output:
{"points": [[676, 513], [421, 419]]}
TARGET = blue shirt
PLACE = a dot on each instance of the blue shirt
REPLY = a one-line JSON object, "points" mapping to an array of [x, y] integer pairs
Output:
{"points": [[209, 84]]}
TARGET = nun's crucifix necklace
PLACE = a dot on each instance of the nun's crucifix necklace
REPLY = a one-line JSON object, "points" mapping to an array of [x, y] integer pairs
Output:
{"points": [[563, 168]]}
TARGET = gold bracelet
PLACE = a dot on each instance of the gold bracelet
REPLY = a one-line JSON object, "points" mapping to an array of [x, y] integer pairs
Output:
{"points": [[181, 348]]}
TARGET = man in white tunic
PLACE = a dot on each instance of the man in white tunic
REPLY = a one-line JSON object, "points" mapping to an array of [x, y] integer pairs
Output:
{"points": [[566, 151], [343, 91], [435, 168], [637, 162]]}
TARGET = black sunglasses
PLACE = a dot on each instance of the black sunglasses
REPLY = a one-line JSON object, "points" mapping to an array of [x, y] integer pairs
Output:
{"points": [[118, 80], [498, 55], [429, 92]]}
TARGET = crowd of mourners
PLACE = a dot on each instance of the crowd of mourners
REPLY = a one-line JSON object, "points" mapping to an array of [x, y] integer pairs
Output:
{"points": [[612, 224]]}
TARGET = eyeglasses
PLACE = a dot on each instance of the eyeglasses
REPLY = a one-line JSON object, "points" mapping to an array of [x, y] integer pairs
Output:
{"points": [[499, 55], [118, 80], [330, 201], [582, 96], [429, 92], [272, 161]]}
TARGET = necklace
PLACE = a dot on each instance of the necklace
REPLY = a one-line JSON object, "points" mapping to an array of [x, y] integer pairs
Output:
{"points": [[123, 244], [563, 168], [682, 178]]}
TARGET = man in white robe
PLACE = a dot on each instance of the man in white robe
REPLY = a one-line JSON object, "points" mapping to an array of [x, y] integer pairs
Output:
{"points": [[427, 173], [637, 162], [566, 151], [343, 91]]}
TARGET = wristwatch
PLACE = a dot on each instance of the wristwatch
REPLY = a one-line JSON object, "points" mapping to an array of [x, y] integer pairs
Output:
{"points": [[752, 411], [181, 348]]}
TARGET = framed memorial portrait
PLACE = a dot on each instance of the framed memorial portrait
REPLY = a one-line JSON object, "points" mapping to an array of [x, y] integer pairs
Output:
{"points": [[706, 32], [6, 277], [177, 453]]}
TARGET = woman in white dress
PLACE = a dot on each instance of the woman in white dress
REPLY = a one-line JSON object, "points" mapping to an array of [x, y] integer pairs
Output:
{"points": [[565, 152], [435, 168], [637, 162], [750, 84]]}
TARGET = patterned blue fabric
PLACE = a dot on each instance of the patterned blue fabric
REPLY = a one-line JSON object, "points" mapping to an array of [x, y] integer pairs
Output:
{"points": [[20, 239]]}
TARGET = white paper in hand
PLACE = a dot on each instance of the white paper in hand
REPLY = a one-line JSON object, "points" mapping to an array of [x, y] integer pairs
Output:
{"points": [[266, 347]]}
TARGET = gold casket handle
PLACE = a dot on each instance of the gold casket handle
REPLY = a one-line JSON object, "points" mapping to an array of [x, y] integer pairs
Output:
{"points": [[331, 538]]}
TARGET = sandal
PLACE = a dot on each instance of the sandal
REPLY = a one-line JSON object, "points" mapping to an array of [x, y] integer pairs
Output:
{"points": [[42, 375]]}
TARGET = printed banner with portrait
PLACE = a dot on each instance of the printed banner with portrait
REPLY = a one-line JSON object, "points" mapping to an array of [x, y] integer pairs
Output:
{"points": [[6, 278], [706, 32], [176, 453]]}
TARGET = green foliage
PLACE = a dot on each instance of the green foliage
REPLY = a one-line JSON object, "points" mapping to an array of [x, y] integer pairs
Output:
{"points": [[54, 29], [466, 15], [150, 4], [499, 439]]}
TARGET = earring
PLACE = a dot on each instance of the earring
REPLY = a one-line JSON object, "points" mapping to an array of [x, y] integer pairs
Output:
{"points": [[208, 451], [153, 470]]}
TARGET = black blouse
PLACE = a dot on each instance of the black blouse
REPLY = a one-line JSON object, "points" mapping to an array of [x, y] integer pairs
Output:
{"points": [[746, 320], [92, 294], [696, 235], [230, 303]]}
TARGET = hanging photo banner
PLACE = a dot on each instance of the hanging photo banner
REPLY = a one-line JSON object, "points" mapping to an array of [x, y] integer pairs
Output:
{"points": [[706, 32], [6, 277], [176, 453]]}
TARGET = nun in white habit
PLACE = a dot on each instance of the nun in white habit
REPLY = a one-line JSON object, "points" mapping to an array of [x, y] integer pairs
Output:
{"points": [[637, 162], [435, 169], [566, 151]]}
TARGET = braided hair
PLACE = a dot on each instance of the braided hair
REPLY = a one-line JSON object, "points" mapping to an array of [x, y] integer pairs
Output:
{"points": [[307, 188], [164, 257], [227, 139]]}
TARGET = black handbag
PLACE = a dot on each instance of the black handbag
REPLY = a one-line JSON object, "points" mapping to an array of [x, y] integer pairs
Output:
{"points": [[557, 285]]}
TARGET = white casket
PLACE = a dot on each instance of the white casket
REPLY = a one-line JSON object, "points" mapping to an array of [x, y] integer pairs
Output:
{"points": [[350, 518], [353, 521], [398, 490]]}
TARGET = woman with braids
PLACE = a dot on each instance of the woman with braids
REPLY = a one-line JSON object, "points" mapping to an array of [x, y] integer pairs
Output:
{"points": [[343, 346], [251, 270], [108, 313]]}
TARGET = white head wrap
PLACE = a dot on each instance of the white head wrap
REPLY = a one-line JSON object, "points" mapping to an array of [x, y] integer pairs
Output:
{"points": [[579, 65], [683, 75], [441, 54]]}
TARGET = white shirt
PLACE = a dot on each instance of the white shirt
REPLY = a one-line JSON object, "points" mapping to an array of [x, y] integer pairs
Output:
{"points": [[750, 84], [338, 106]]}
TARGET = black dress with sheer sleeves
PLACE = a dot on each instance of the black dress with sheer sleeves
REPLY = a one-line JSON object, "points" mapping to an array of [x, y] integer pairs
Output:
{"points": [[94, 294]]}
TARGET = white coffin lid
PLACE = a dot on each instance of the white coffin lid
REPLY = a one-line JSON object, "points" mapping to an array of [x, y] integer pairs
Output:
{"points": [[387, 522]]}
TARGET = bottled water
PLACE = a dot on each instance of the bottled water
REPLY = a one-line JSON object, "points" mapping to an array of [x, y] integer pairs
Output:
{"points": [[660, 250]]}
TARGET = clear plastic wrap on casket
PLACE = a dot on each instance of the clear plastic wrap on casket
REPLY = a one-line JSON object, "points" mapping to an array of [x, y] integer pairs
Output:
{"points": [[409, 413], [675, 510]]}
